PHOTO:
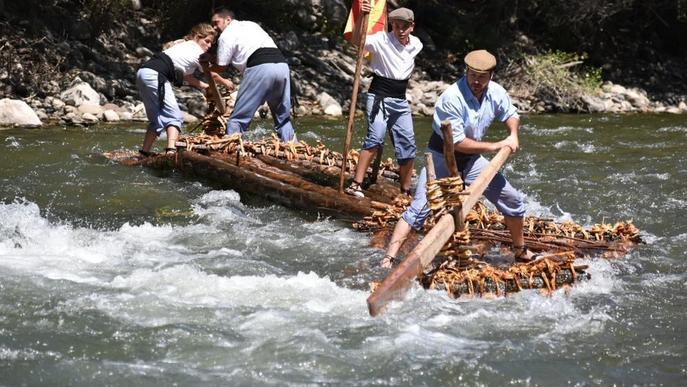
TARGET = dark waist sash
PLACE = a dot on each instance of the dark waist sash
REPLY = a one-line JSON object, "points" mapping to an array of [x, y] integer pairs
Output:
{"points": [[387, 87], [164, 66], [436, 143], [265, 55]]}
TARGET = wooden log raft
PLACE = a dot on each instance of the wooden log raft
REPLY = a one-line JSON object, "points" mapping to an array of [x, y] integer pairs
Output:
{"points": [[396, 284], [291, 183]]}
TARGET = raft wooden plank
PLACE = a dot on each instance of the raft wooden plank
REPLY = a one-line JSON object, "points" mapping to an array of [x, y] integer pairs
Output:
{"points": [[399, 280], [395, 285], [289, 189]]}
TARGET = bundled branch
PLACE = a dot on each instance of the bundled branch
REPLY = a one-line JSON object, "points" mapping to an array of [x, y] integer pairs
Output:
{"points": [[273, 147], [459, 270]]}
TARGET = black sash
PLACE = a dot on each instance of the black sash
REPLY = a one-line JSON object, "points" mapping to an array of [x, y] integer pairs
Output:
{"points": [[387, 87], [265, 55], [164, 66], [436, 143]]}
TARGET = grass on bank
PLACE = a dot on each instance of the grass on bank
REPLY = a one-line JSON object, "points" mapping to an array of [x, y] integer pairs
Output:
{"points": [[557, 78]]}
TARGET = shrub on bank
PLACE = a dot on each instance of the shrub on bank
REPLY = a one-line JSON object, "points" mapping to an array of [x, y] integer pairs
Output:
{"points": [[559, 79]]}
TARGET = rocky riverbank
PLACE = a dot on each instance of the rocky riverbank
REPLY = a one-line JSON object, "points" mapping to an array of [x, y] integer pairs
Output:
{"points": [[100, 86]]}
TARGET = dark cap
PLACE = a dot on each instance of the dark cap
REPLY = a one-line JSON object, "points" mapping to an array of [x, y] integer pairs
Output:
{"points": [[480, 60], [402, 14]]}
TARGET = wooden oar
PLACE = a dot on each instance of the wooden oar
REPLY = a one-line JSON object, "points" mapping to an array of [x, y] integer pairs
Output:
{"points": [[396, 284], [216, 96], [354, 98]]}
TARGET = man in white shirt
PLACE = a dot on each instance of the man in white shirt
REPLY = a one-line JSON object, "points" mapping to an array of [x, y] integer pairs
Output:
{"points": [[393, 60], [266, 78]]}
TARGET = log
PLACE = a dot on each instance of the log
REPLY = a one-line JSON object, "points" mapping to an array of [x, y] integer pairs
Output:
{"points": [[328, 176], [563, 277], [255, 177]]}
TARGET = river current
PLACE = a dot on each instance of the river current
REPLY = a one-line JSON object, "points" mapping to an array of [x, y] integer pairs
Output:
{"points": [[122, 276]]}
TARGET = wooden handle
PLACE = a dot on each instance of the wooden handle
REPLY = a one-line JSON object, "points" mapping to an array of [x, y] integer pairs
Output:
{"points": [[354, 98], [216, 96]]}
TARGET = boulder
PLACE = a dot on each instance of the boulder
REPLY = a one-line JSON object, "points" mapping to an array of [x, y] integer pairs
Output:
{"points": [[14, 112], [189, 118], [329, 105], [80, 94], [110, 116], [96, 110], [89, 118], [594, 104]]}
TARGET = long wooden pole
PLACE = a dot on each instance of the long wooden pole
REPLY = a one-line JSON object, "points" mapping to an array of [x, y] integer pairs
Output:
{"points": [[354, 98], [216, 96], [399, 280]]}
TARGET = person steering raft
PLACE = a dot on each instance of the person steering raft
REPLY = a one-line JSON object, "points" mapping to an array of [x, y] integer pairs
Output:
{"points": [[471, 104]]}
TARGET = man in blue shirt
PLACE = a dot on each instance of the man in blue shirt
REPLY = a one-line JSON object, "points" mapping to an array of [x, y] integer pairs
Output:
{"points": [[470, 105]]}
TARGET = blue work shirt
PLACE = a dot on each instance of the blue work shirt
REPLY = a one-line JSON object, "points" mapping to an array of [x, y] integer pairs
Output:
{"points": [[469, 117]]}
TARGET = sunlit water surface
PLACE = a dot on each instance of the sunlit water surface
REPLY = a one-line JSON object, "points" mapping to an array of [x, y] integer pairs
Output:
{"points": [[112, 275]]}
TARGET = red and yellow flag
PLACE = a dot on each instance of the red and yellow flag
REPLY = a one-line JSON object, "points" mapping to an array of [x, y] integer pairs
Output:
{"points": [[376, 21]]}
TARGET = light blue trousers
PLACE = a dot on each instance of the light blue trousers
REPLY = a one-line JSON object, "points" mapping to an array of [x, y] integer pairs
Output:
{"points": [[268, 82], [159, 117], [393, 115], [500, 193]]}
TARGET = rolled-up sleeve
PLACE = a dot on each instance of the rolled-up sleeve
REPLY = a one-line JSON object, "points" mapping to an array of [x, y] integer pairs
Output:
{"points": [[446, 109], [504, 107]]}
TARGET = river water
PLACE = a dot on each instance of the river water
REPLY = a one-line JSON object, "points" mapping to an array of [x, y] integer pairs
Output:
{"points": [[113, 275]]}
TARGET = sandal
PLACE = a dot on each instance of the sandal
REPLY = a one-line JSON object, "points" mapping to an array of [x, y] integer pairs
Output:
{"points": [[146, 153], [355, 190], [388, 261], [170, 151]]}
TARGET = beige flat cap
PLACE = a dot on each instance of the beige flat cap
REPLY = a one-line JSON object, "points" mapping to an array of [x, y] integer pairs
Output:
{"points": [[402, 14], [480, 61]]}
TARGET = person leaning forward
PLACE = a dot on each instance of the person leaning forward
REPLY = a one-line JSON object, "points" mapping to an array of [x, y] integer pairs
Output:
{"points": [[470, 105], [266, 77], [393, 60], [154, 80]]}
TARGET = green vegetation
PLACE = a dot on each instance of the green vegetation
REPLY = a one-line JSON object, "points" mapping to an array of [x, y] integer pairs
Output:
{"points": [[556, 76]]}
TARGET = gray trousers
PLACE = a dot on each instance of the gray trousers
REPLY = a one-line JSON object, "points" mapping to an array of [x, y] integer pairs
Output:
{"points": [[268, 82]]}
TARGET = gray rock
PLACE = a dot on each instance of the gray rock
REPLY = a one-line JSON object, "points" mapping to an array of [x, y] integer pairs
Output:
{"points": [[95, 110], [89, 118], [14, 112], [594, 104], [79, 94], [110, 116], [188, 118], [57, 104], [329, 105]]}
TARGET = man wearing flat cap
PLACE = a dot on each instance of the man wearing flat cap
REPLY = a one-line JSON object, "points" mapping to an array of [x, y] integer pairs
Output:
{"points": [[393, 60], [470, 105]]}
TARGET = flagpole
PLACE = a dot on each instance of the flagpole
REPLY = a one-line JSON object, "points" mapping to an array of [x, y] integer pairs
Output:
{"points": [[354, 97]]}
